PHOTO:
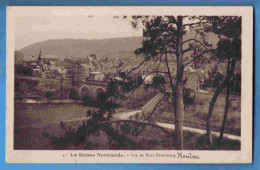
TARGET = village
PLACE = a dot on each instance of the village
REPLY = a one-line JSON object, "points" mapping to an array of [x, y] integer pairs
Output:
{"points": [[50, 67], [52, 79]]}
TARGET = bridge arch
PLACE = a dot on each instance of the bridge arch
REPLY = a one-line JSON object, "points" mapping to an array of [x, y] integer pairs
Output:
{"points": [[99, 89], [83, 90]]}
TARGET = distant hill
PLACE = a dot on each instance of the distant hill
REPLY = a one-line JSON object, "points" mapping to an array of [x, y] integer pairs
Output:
{"points": [[121, 48], [114, 47]]}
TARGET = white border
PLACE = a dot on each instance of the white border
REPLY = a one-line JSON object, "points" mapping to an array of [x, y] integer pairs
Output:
{"points": [[54, 156]]}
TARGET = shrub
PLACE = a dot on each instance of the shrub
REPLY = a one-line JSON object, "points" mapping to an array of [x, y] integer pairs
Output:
{"points": [[73, 94], [100, 101], [52, 95], [24, 71], [79, 135], [49, 95], [187, 99]]}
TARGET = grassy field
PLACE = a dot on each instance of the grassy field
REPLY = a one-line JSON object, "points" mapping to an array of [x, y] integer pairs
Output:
{"points": [[31, 120], [196, 114]]}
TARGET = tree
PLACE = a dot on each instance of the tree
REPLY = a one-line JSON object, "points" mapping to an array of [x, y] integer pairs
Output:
{"points": [[74, 71], [230, 48], [228, 51], [166, 42]]}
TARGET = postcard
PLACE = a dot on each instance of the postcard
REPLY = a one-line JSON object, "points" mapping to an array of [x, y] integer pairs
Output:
{"points": [[129, 84]]}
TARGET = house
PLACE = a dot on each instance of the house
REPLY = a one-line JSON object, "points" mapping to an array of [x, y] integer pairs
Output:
{"points": [[96, 76], [62, 64], [52, 59], [29, 59], [148, 79], [52, 74], [194, 79], [62, 72]]}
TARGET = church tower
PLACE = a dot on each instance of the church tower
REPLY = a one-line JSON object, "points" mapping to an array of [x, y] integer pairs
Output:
{"points": [[39, 57], [40, 61]]}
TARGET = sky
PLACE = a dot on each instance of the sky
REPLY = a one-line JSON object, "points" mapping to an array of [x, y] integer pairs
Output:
{"points": [[36, 24], [43, 24]]}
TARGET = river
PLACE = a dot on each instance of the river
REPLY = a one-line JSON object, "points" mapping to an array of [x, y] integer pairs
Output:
{"points": [[40, 114]]}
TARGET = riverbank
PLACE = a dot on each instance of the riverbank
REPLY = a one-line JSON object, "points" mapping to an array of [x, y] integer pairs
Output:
{"points": [[46, 101]]}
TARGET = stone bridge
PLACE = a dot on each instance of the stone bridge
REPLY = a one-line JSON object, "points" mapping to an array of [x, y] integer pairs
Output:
{"points": [[92, 87], [88, 86]]}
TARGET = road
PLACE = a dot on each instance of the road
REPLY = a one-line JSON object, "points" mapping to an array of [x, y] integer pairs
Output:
{"points": [[200, 131], [126, 116]]}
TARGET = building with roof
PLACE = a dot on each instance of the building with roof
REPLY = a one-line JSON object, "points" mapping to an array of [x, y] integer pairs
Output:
{"points": [[193, 79], [52, 59], [28, 60], [97, 76], [63, 64]]}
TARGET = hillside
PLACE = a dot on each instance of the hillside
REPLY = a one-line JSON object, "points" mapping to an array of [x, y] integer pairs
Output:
{"points": [[122, 48], [114, 47]]}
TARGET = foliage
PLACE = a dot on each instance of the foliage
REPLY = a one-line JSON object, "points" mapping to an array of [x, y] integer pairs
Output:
{"points": [[236, 84], [73, 94], [74, 136], [21, 86], [128, 128], [187, 99], [100, 101], [48, 95], [121, 139], [163, 44], [24, 71], [52, 95], [81, 134], [228, 29], [158, 82], [74, 70]]}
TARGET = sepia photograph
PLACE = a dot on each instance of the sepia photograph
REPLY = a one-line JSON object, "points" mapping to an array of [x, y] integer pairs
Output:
{"points": [[135, 84]]}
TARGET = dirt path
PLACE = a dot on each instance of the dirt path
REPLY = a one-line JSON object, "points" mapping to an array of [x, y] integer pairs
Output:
{"points": [[200, 131], [126, 115]]}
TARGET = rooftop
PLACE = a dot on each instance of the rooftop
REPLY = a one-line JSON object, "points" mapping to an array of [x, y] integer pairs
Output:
{"points": [[98, 72], [30, 58], [49, 57]]}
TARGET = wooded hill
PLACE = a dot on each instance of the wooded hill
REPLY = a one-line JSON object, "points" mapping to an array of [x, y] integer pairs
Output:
{"points": [[115, 47]]}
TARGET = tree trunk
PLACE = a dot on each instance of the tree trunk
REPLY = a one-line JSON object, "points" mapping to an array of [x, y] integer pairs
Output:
{"points": [[179, 112], [73, 80], [61, 96], [78, 79], [210, 112], [229, 74]]}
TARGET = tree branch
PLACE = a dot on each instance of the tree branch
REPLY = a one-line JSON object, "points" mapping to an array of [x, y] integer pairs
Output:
{"points": [[159, 62], [170, 51], [147, 119], [144, 123], [196, 23], [144, 80], [169, 72], [187, 50], [193, 39], [195, 58], [145, 60]]}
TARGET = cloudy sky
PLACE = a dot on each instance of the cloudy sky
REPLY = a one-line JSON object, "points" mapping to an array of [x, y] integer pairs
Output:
{"points": [[41, 24]]}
